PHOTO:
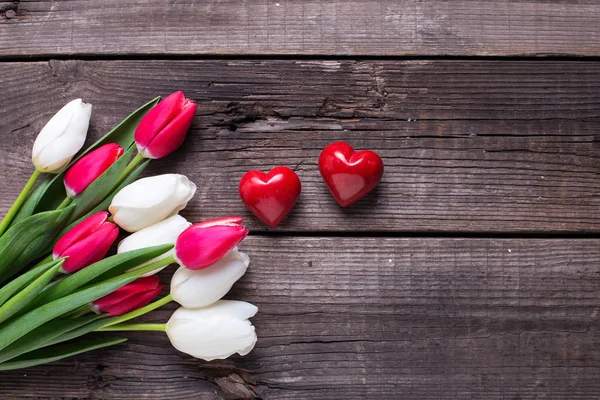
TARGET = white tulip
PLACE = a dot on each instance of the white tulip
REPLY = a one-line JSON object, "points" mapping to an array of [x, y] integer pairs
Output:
{"points": [[213, 332], [199, 288], [150, 200], [62, 137], [165, 232]]}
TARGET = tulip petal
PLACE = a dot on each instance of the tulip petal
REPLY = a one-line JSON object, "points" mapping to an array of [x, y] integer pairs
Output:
{"points": [[233, 336], [158, 117], [81, 230], [55, 126], [172, 135], [213, 332], [230, 221], [199, 247], [62, 137], [200, 288], [123, 293], [129, 297], [234, 308], [150, 200], [56, 156], [164, 232], [90, 167], [135, 302], [90, 249]]}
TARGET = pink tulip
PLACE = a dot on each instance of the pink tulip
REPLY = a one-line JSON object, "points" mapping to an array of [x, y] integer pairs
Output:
{"points": [[163, 129], [205, 243], [90, 167], [86, 243], [130, 297]]}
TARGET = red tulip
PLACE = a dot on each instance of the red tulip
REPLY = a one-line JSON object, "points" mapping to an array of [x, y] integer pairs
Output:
{"points": [[87, 243], [90, 167], [130, 297], [163, 129], [205, 243]]}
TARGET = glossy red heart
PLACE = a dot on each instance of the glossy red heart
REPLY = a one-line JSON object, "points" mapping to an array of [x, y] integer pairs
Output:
{"points": [[349, 174], [270, 196]]}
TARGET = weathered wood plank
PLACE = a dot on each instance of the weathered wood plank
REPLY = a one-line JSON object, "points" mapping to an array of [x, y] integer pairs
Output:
{"points": [[377, 318], [468, 146], [383, 27]]}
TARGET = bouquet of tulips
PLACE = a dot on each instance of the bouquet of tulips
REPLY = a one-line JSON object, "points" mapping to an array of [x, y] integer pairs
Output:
{"points": [[57, 285]]}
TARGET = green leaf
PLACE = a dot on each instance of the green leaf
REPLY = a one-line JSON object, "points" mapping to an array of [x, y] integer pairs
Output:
{"points": [[47, 334], [18, 327], [24, 297], [122, 134], [75, 333], [33, 199], [18, 283], [115, 264], [106, 202], [26, 240], [100, 187], [58, 352]]}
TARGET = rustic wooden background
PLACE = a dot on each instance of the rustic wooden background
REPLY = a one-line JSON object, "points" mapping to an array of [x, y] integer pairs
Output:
{"points": [[473, 271]]}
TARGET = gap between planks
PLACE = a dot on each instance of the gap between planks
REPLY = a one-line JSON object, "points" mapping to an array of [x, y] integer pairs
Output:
{"points": [[299, 57], [427, 235]]}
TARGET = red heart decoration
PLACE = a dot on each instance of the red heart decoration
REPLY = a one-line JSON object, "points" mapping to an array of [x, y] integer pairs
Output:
{"points": [[270, 196], [349, 174]]}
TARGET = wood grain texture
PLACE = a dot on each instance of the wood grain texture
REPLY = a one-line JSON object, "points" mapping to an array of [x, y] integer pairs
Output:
{"points": [[376, 318], [479, 146], [383, 27]]}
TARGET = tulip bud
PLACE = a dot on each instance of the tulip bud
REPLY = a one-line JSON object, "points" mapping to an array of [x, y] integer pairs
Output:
{"points": [[200, 288], [150, 200], [165, 232], [62, 137], [213, 332], [86, 243], [163, 128], [127, 298], [87, 169], [205, 243]]}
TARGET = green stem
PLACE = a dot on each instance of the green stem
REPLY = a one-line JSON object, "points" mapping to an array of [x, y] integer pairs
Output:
{"points": [[64, 203], [139, 312], [134, 327], [14, 209], [130, 167]]}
